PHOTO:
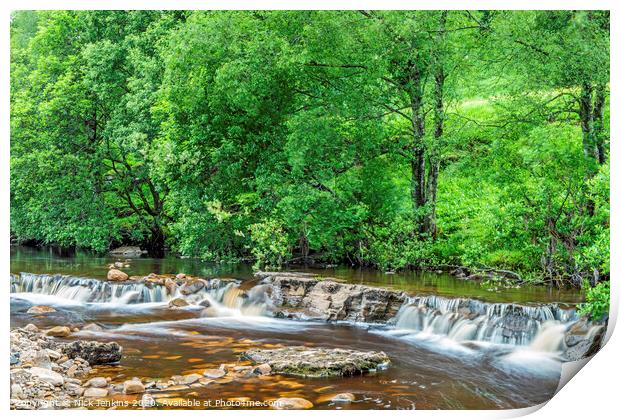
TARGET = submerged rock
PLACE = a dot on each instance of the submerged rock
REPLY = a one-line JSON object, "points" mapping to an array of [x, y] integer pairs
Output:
{"points": [[343, 397], [318, 362], [117, 275], [292, 404], [41, 309], [94, 352], [58, 331]]}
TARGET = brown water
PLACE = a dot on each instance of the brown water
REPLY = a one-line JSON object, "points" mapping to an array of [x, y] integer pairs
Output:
{"points": [[426, 372]]}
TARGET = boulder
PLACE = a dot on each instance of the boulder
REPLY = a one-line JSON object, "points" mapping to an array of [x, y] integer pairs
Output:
{"points": [[58, 331], [318, 362], [117, 275], [331, 300], [180, 276], [133, 386], [40, 309], [292, 404], [95, 353]]}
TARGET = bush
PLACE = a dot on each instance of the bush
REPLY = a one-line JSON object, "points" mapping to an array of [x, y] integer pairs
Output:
{"points": [[271, 247], [596, 305]]}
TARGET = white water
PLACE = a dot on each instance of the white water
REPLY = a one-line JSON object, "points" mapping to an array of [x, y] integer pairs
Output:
{"points": [[221, 299], [431, 318], [465, 320]]}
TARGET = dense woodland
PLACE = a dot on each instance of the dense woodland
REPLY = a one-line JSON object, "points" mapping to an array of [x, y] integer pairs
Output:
{"points": [[404, 139]]}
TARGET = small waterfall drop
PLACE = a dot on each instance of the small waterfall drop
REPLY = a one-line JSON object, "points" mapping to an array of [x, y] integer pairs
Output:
{"points": [[472, 320], [550, 338]]}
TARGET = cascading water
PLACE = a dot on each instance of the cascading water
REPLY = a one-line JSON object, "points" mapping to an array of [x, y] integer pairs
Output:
{"points": [[219, 297], [541, 327], [85, 290]]}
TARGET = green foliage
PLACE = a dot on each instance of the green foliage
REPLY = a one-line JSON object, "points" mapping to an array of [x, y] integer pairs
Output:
{"points": [[270, 245], [294, 135], [597, 301]]}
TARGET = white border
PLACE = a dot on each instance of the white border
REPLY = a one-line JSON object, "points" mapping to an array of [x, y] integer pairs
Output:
{"points": [[591, 394]]}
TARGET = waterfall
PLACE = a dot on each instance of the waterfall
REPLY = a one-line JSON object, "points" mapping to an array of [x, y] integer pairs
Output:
{"points": [[220, 298], [87, 290], [473, 320], [234, 301], [550, 338]]}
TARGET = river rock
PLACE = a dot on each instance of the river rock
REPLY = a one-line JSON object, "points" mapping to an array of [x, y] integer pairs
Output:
{"points": [[180, 276], [117, 275], [581, 344], [95, 392], [41, 309], [47, 375], [292, 404], [331, 300], [95, 353], [263, 369], [214, 373], [133, 386], [191, 286], [171, 286], [97, 382], [343, 397], [186, 379], [31, 328], [177, 303], [318, 362], [92, 327], [59, 331]]}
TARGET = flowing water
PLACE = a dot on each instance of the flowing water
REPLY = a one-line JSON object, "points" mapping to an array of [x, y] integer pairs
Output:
{"points": [[450, 344]]}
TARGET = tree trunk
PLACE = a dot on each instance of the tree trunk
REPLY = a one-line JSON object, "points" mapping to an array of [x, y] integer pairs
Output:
{"points": [[156, 243], [598, 121], [418, 163], [439, 117], [586, 117]]}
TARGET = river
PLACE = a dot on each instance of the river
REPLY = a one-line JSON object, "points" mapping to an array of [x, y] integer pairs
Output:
{"points": [[431, 368]]}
